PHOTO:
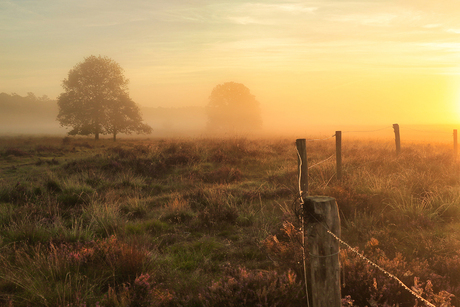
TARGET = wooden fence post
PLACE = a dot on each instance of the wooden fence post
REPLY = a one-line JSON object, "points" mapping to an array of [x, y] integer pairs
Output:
{"points": [[397, 138], [322, 214], [455, 143], [303, 166], [303, 191], [338, 153]]}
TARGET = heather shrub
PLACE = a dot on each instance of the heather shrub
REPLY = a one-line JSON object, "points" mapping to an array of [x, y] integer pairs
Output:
{"points": [[13, 151], [240, 287], [143, 292], [216, 214], [222, 175], [366, 284], [285, 248], [112, 261]]}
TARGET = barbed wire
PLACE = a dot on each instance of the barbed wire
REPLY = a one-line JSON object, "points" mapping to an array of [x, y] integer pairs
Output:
{"points": [[313, 140], [299, 213], [429, 131], [380, 268], [327, 159], [368, 130]]}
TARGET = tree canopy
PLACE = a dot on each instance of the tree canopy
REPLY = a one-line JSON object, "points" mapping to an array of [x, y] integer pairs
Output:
{"points": [[232, 108], [96, 100]]}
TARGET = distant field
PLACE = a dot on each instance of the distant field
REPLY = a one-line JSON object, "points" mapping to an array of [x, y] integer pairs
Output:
{"points": [[212, 222]]}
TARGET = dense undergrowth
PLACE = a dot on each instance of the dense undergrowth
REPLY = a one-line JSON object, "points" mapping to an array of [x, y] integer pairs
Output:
{"points": [[212, 222]]}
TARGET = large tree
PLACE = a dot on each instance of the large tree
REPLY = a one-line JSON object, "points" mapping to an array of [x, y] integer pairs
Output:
{"points": [[96, 100], [232, 108]]}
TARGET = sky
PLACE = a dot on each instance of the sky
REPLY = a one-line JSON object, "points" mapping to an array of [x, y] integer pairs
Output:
{"points": [[336, 62]]}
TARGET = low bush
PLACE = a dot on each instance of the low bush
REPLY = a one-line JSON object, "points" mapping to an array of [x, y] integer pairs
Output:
{"points": [[240, 287]]}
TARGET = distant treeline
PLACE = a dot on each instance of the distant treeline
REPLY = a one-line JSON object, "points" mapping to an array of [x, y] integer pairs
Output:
{"points": [[28, 115], [37, 115]]}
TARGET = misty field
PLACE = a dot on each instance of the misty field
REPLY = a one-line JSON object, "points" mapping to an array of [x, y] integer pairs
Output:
{"points": [[213, 222]]}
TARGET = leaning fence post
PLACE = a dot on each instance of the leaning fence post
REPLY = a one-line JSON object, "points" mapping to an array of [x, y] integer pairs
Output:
{"points": [[397, 138], [303, 166], [455, 143], [322, 214], [338, 153]]}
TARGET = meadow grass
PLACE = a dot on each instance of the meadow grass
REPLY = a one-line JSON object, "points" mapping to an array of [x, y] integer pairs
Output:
{"points": [[198, 222]]}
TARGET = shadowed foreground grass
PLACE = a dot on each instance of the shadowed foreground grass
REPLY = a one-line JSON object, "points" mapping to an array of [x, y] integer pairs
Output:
{"points": [[211, 222]]}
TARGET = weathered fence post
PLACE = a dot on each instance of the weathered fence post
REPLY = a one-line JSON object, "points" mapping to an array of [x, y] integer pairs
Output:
{"points": [[322, 215], [397, 138], [455, 143], [338, 153], [301, 145], [303, 166]]}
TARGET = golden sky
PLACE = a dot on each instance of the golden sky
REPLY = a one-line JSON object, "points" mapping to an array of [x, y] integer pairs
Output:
{"points": [[329, 61]]}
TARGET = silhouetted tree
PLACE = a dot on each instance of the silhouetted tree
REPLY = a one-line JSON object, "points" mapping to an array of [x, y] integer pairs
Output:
{"points": [[124, 117], [96, 100], [232, 108]]}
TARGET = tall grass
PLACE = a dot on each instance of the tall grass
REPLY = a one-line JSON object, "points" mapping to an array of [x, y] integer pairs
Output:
{"points": [[197, 222]]}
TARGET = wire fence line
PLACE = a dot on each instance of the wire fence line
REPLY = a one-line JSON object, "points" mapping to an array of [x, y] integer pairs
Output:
{"points": [[300, 214], [381, 269], [327, 159], [381, 129], [364, 131], [429, 131], [324, 139], [360, 255]]}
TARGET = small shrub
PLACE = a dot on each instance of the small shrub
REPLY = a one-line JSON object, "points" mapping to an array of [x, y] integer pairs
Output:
{"points": [[179, 159], [53, 186], [143, 292], [285, 247], [16, 152], [254, 288], [223, 175], [19, 193], [177, 211], [365, 283], [216, 214], [154, 227], [66, 140]]}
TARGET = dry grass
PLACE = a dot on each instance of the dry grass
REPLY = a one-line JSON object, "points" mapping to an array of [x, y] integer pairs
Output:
{"points": [[182, 212]]}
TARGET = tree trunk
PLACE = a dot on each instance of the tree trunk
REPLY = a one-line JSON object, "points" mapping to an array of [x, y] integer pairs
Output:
{"points": [[96, 136], [114, 136]]}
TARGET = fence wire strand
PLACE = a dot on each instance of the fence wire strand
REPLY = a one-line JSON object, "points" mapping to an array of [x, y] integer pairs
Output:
{"points": [[380, 268], [321, 162], [367, 260], [299, 213], [368, 130], [313, 140]]}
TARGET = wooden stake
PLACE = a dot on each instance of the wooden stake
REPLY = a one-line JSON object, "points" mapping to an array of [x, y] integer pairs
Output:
{"points": [[397, 138], [455, 143], [338, 153], [303, 191], [322, 214]]}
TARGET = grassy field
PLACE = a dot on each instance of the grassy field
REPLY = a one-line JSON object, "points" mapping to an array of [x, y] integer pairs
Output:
{"points": [[212, 222]]}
